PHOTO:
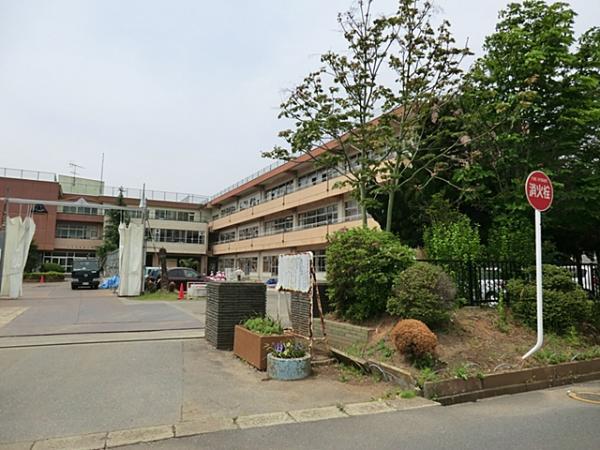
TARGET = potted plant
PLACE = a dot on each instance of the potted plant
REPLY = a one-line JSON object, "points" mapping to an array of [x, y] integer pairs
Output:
{"points": [[288, 361], [253, 339]]}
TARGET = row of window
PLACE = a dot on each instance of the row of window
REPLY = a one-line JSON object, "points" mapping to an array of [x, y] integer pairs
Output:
{"points": [[288, 187], [65, 259], [176, 236], [270, 264], [314, 218], [69, 230], [158, 214]]}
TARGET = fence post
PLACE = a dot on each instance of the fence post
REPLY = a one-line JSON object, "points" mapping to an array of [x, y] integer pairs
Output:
{"points": [[470, 275]]}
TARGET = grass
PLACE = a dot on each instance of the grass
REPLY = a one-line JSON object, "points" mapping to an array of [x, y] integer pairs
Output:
{"points": [[348, 373], [158, 295]]}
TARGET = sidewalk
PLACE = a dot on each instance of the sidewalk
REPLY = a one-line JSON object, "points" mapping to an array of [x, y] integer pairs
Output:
{"points": [[68, 390]]}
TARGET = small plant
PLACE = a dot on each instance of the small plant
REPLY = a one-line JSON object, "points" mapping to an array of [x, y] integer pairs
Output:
{"points": [[423, 292], [349, 372], [548, 356], [502, 322], [461, 372], [382, 349], [288, 350], [427, 374], [573, 338], [263, 325], [408, 394], [414, 339], [355, 350]]}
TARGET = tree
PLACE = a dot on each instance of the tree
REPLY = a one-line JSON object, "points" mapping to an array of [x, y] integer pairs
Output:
{"points": [[426, 64], [111, 228], [540, 93], [33, 258], [334, 109]]}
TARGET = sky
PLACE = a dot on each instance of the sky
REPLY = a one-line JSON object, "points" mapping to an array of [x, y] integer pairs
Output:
{"points": [[182, 95]]}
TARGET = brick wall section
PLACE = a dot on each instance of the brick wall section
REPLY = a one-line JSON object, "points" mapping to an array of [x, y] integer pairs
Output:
{"points": [[342, 335], [229, 304]]}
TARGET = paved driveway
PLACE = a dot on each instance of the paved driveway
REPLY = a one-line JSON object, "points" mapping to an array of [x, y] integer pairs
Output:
{"points": [[53, 308]]}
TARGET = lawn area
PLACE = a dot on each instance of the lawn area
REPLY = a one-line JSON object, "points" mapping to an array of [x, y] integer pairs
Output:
{"points": [[158, 295]]}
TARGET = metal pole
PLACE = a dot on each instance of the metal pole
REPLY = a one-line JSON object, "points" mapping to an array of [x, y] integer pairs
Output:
{"points": [[144, 209], [538, 285]]}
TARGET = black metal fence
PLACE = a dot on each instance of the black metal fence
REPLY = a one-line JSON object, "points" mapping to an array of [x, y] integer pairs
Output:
{"points": [[482, 282]]}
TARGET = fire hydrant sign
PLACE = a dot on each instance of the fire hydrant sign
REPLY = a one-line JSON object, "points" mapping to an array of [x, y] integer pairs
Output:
{"points": [[539, 191]]}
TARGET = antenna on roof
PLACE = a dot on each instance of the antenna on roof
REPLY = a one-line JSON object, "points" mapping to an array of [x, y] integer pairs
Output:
{"points": [[74, 168]]}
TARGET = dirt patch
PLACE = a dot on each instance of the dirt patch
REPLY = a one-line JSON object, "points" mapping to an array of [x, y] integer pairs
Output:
{"points": [[478, 342]]}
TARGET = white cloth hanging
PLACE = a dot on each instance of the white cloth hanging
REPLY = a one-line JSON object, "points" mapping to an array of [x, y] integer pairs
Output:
{"points": [[131, 246], [17, 239]]}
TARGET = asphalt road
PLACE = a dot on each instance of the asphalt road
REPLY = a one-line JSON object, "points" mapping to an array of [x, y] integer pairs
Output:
{"points": [[535, 420]]}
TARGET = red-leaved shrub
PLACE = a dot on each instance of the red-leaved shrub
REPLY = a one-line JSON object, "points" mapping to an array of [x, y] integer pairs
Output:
{"points": [[414, 339]]}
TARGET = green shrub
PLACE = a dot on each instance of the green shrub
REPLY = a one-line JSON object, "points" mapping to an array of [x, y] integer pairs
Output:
{"points": [[48, 276], [565, 302], [52, 267], [361, 265], [263, 325], [453, 240], [423, 292]]}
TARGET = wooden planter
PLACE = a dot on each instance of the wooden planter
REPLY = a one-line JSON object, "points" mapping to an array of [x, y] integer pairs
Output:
{"points": [[253, 347]]}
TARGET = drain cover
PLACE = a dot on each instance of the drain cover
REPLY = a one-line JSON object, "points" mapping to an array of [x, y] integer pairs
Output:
{"points": [[588, 397]]}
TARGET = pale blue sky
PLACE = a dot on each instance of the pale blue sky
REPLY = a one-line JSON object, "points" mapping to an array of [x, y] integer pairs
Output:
{"points": [[182, 95]]}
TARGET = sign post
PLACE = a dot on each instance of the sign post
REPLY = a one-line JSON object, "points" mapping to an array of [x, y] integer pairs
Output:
{"points": [[540, 193]]}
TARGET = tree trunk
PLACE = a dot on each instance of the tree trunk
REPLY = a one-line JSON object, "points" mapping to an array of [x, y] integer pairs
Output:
{"points": [[363, 210], [390, 211]]}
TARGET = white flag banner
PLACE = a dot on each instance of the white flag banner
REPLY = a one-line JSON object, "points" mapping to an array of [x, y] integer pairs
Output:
{"points": [[294, 272], [18, 237], [131, 244]]}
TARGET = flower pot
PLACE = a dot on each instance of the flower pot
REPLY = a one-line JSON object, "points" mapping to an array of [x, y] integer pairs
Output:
{"points": [[253, 347], [287, 369]]}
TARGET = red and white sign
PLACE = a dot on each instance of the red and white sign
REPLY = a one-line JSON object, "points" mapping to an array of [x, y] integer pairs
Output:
{"points": [[539, 191]]}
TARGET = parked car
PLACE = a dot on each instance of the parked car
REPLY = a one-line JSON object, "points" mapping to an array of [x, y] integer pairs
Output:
{"points": [[271, 282], [182, 275], [85, 273]]}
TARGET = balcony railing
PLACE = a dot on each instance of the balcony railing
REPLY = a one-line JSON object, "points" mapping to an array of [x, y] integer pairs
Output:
{"points": [[251, 177], [292, 229], [27, 174]]}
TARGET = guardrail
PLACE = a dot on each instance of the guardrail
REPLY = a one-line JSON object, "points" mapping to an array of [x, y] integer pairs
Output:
{"points": [[7, 172]]}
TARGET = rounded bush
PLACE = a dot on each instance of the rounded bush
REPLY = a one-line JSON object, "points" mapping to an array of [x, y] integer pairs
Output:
{"points": [[361, 264], [414, 339], [565, 303], [52, 267], [423, 292]]}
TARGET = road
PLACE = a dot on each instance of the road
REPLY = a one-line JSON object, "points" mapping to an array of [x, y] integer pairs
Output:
{"points": [[536, 420]]}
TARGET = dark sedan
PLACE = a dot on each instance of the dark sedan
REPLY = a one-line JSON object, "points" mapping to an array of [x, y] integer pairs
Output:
{"points": [[182, 275]]}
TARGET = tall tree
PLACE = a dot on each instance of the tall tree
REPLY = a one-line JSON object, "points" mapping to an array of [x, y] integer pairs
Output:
{"points": [[539, 87], [334, 109], [110, 235], [426, 65]]}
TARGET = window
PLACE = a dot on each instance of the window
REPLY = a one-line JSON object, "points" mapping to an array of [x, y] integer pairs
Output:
{"points": [[248, 265], [316, 177], [176, 236], [84, 210], [250, 201], [270, 264], [248, 233], [67, 230], [65, 259], [227, 236], [226, 263], [318, 217], [280, 190], [351, 209], [320, 261], [228, 210], [181, 216], [279, 225]]}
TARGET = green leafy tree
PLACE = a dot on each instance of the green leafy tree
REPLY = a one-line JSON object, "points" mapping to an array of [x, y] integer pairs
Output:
{"points": [[537, 87], [361, 266], [111, 228], [426, 65], [333, 110]]}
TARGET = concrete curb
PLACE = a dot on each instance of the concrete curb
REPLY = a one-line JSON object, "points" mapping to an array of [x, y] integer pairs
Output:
{"points": [[209, 424]]}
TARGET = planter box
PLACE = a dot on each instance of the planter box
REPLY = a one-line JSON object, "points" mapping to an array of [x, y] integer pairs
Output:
{"points": [[253, 347], [288, 369]]}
